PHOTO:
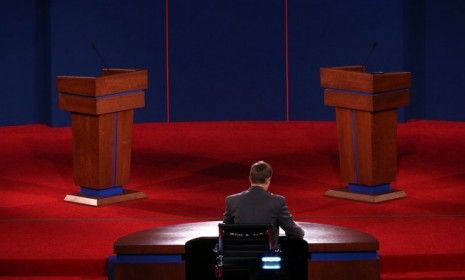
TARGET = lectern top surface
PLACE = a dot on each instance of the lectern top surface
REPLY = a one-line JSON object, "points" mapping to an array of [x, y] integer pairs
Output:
{"points": [[111, 81], [354, 78]]}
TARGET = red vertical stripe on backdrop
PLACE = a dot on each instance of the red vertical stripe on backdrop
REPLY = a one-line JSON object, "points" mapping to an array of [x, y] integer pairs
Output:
{"points": [[167, 61], [286, 40]]}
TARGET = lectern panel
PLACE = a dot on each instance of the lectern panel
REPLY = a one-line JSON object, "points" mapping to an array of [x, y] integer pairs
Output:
{"points": [[115, 83], [346, 139], [376, 147], [76, 85], [103, 105], [93, 141], [366, 102], [124, 143]]}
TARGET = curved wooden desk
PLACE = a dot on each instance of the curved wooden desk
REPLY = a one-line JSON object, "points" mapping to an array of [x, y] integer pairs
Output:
{"points": [[333, 252]]}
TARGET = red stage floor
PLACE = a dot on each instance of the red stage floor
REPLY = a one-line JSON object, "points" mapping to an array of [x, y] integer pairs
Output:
{"points": [[188, 168]]}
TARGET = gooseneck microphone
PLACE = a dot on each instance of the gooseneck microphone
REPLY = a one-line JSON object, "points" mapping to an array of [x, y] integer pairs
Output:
{"points": [[372, 48], [102, 60]]}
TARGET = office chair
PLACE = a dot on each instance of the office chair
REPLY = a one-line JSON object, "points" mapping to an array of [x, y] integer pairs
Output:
{"points": [[246, 251]]}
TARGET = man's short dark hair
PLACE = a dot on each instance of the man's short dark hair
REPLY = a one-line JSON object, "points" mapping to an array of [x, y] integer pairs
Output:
{"points": [[260, 172]]}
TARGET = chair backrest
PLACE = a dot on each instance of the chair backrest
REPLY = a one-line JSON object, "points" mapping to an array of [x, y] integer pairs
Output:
{"points": [[245, 237], [244, 249]]}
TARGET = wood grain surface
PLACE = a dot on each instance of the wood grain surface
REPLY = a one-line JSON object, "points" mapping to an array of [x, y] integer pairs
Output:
{"points": [[351, 78], [171, 239], [112, 81]]}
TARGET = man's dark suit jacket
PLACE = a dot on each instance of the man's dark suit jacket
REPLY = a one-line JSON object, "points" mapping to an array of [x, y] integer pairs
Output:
{"points": [[256, 205]]}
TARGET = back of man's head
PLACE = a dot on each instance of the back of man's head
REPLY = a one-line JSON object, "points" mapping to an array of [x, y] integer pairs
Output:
{"points": [[260, 172]]}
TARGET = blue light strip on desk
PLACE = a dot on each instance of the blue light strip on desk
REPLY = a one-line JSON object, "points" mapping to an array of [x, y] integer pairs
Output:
{"points": [[343, 256]]}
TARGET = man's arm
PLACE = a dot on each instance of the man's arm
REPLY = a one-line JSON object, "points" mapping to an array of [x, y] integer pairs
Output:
{"points": [[227, 215], [287, 223]]}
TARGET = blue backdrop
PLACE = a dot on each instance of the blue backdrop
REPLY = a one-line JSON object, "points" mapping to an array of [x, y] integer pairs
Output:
{"points": [[227, 59]]}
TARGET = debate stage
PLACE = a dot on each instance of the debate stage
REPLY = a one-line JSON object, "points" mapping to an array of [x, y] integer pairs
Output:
{"points": [[187, 169]]}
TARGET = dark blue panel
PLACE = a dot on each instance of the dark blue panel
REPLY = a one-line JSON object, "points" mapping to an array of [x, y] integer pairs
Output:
{"points": [[227, 60], [445, 53], [128, 34], [22, 96], [414, 49], [334, 33]]}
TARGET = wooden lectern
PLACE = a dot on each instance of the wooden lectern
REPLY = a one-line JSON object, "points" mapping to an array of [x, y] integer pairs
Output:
{"points": [[366, 114], [102, 116]]}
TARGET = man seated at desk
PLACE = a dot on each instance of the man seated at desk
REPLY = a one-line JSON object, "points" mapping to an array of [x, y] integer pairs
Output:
{"points": [[257, 205]]}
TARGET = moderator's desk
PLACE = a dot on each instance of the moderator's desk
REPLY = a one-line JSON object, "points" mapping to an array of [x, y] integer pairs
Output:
{"points": [[333, 252]]}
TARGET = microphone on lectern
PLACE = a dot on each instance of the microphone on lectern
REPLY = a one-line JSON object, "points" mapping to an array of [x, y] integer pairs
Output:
{"points": [[102, 60], [372, 48]]}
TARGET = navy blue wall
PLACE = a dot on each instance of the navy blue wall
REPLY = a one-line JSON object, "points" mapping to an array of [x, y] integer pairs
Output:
{"points": [[444, 89], [23, 96], [339, 32], [227, 58], [128, 34], [414, 56]]}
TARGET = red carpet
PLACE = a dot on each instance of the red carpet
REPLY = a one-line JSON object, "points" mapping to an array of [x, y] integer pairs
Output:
{"points": [[188, 168]]}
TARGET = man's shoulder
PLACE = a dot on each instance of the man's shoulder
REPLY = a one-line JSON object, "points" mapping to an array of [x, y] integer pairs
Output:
{"points": [[236, 195], [269, 195], [277, 197]]}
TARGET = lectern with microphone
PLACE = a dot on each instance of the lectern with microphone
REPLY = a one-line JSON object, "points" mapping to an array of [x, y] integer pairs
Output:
{"points": [[102, 116], [366, 114]]}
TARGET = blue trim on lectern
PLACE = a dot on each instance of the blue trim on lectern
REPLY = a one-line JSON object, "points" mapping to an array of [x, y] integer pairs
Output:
{"points": [[378, 189], [343, 256], [102, 192]]}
